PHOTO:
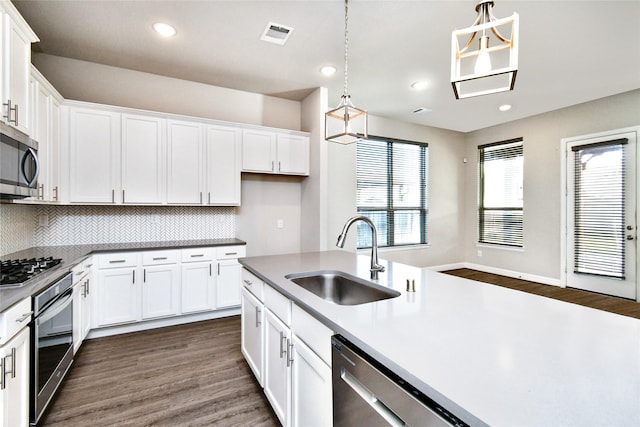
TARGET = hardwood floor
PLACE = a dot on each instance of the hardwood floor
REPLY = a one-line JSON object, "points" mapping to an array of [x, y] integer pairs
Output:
{"points": [[187, 375], [589, 299]]}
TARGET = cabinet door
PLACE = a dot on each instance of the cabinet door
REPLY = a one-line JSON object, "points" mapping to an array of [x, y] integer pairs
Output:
{"points": [[78, 291], [142, 159], [311, 398], [159, 291], [258, 151], [293, 154], [94, 140], [14, 396], [54, 152], [223, 165], [277, 372], [252, 337], [197, 287], [85, 319], [19, 58], [228, 281], [117, 300], [185, 163]]}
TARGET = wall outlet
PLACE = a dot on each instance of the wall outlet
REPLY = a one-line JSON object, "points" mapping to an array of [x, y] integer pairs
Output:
{"points": [[280, 224], [479, 252]]}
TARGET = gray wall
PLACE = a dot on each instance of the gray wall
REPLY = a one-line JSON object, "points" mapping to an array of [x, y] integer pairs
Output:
{"points": [[542, 165]]}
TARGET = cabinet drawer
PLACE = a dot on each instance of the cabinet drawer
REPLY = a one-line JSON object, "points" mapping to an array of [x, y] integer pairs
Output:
{"points": [[254, 285], [124, 259], [197, 254], [278, 304], [313, 332], [81, 270], [229, 252], [13, 319], [159, 257]]}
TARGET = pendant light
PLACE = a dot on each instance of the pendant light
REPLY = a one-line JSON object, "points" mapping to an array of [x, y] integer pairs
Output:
{"points": [[345, 124], [492, 67]]}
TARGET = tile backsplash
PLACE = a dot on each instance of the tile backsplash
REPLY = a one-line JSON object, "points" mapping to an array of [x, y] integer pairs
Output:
{"points": [[17, 227], [24, 226]]}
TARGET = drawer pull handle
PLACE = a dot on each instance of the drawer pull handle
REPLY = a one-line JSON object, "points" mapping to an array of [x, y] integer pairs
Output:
{"points": [[160, 258], [231, 253], [24, 317], [197, 256], [117, 261], [248, 282]]}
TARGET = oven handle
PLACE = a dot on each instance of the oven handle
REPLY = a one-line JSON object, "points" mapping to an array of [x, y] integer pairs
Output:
{"points": [[55, 309]]}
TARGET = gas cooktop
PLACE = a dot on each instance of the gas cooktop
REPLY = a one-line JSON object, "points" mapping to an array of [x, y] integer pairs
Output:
{"points": [[15, 272]]}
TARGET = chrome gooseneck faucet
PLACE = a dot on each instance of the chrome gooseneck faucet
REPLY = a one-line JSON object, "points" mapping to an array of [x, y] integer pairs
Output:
{"points": [[375, 267]]}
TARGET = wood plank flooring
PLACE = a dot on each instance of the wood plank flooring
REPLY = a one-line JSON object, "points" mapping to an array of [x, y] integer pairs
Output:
{"points": [[187, 375], [616, 305]]}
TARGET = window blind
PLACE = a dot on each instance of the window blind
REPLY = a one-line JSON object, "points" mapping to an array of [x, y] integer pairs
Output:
{"points": [[500, 213], [392, 191], [599, 245]]}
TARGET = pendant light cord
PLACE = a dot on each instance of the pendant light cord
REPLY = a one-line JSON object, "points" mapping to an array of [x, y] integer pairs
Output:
{"points": [[346, 47]]}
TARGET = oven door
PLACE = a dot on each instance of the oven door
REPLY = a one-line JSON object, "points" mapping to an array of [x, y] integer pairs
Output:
{"points": [[52, 350]]}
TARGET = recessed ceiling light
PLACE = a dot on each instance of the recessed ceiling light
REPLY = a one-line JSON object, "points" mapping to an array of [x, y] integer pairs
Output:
{"points": [[505, 107], [420, 85], [328, 70], [165, 30]]}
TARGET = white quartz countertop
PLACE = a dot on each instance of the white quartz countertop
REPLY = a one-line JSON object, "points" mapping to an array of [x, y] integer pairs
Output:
{"points": [[488, 354]]}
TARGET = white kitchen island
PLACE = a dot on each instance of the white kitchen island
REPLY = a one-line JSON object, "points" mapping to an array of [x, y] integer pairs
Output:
{"points": [[491, 355]]}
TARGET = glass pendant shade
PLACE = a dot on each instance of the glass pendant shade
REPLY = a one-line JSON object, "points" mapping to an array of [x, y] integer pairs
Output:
{"points": [[345, 124], [492, 66]]}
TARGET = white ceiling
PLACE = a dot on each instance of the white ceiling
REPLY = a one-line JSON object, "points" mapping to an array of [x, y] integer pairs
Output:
{"points": [[570, 51]]}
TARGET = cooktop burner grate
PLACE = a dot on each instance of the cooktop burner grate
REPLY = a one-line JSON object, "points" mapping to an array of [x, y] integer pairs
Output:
{"points": [[15, 272]]}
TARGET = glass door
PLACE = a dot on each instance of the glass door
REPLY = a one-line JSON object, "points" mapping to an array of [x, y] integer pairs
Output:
{"points": [[601, 215]]}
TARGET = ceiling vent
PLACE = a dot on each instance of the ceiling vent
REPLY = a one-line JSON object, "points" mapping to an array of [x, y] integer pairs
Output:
{"points": [[276, 33]]}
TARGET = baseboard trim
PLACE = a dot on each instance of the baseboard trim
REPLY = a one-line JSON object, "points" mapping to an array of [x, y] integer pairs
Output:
{"points": [[161, 323], [445, 267], [515, 274]]}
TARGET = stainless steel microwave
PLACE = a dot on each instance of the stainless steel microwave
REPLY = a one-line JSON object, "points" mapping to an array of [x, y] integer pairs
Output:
{"points": [[18, 164]]}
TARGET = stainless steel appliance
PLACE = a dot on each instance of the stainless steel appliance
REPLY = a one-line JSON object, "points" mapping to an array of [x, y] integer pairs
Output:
{"points": [[51, 343], [15, 272], [365, 393], [19, 166]]}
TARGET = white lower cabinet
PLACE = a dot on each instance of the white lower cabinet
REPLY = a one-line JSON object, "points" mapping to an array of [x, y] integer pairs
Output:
{"points": [[82, 281], [311, 399], [159, 291], [252, 334], [163, 283], [289, 352], [14, 387], [277, 372]]}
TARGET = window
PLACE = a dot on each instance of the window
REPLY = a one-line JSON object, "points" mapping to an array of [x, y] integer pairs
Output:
{"points": [[392, 191], [500, 210]]}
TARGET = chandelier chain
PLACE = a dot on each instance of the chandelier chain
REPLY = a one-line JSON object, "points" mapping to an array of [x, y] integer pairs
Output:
{"points": [[346, 47]]}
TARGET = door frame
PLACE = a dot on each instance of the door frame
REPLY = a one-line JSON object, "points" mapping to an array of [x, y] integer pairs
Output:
{"points": [[564, 193]]}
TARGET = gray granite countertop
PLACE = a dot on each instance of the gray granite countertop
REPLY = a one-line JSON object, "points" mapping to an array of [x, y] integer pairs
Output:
{"points": [[74, 254]]}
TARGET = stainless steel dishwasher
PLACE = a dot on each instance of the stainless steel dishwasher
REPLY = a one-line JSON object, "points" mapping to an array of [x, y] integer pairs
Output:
{"points": [[365, 393]]}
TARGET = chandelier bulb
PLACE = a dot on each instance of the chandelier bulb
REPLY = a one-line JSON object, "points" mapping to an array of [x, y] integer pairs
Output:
{"points": [[483, 63]]}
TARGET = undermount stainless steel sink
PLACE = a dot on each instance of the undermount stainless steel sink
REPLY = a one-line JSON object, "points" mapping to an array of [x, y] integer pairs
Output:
{"points": [[341, 288]]}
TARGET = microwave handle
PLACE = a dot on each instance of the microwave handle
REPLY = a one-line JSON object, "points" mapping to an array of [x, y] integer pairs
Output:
{"points": [[33, 154]]}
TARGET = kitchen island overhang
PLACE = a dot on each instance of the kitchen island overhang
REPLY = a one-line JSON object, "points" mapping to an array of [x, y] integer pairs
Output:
{"points": [[492, 356]]}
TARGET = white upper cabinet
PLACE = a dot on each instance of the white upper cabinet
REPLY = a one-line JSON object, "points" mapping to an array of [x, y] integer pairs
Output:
{"points": [[258, 151], [273, 152], [45, 120], [184, 172], [15, 42], [94, 156], [142, 159], [223, 165], [293, 154]]}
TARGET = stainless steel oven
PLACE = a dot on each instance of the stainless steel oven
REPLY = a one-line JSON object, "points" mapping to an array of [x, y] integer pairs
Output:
{"points": [[51, 343]]}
